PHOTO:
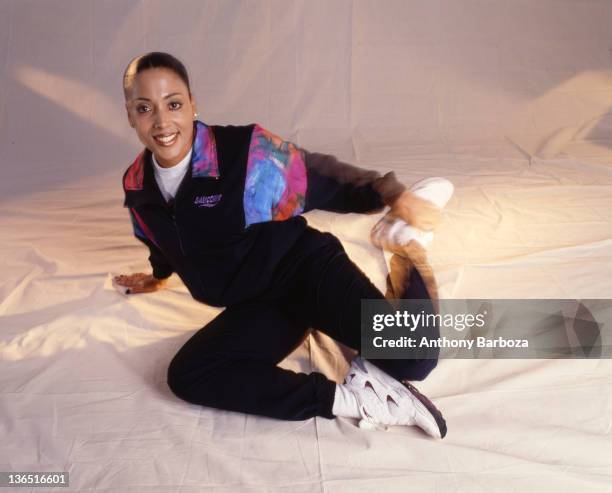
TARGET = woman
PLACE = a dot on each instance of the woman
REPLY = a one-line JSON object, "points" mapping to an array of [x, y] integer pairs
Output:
{"points": [[221, 206]]}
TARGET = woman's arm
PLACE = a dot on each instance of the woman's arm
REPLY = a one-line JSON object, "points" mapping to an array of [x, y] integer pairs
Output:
{"points": [[284, 180], [341, 187], [142, 282], [161, 267]]}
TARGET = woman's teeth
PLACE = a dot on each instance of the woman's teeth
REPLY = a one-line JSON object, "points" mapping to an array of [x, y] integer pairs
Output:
{"points": [[166, 140]]}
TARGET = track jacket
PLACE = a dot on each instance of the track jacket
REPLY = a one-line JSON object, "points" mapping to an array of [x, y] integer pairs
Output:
{"points": [[238, 209]]}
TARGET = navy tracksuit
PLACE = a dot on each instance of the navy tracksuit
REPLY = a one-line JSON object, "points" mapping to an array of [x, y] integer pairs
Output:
{"points": [[235, 236]]}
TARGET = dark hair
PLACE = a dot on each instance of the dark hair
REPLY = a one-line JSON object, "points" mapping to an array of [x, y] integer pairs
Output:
{"points": [[154, 59]]}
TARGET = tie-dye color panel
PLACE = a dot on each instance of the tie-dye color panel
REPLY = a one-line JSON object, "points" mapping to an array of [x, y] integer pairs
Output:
{"points": [[204, 158], [135, 175], [275, 186]]}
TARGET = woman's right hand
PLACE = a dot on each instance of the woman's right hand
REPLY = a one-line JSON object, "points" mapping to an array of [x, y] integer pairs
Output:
{"points": [[140, 283], [417, 212]]}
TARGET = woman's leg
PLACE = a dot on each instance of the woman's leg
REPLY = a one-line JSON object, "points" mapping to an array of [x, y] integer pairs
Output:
{"points": [[231, 364], [331, 289]]}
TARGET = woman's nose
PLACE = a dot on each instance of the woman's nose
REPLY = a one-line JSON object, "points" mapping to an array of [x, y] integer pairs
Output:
{"points": [[161, 119]]}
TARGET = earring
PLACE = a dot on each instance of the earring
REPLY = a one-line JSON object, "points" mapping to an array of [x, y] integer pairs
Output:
{"points": [[195, 116]]}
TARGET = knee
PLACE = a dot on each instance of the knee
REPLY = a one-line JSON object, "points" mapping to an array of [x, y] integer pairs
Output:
{"points": [[182, 379], [177, 381], [195, 384]]}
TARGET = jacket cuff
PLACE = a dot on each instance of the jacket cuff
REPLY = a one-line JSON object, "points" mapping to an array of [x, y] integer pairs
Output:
{"points": [[388, 188], [160, 272]]}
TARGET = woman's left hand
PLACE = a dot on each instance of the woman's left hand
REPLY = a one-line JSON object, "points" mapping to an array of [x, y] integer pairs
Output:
{"points": [[140, 282], [417, 212]]}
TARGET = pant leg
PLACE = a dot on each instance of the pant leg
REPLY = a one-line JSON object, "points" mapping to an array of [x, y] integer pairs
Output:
{"points": [[332, 287], [231, 364]]}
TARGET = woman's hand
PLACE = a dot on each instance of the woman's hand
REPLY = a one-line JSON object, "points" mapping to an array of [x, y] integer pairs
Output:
{"points": [[417, 212], [140, 283]]}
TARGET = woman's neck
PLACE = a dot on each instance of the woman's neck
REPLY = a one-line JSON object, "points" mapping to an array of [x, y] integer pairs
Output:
{"points": [[183, 161]]}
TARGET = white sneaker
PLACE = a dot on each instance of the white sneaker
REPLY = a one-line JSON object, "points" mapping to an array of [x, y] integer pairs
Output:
{"points": [[437, 190], [392, 230], [383, 400], [379, 406]]}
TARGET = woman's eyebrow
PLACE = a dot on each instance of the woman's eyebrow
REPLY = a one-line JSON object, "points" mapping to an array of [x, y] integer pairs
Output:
{"points": [[165, 97]]}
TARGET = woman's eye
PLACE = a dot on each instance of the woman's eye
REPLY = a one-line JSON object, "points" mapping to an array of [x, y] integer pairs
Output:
{"points": [[142, 108], [175, 105]]}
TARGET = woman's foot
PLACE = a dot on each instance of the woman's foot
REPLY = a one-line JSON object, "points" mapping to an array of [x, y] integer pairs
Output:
{"points": [[437, 190], [386, 401], [392, 232]]}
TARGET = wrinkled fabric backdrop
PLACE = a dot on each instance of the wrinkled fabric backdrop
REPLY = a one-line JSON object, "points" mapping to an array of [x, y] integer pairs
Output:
{"points": [[511, 100]]}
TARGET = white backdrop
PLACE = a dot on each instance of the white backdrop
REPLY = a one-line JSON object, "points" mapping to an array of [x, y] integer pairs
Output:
{"points": [[510, 99], [344, 76]]}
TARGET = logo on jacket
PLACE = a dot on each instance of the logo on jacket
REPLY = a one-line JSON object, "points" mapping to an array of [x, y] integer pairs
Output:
{"points": [[207, 200]]}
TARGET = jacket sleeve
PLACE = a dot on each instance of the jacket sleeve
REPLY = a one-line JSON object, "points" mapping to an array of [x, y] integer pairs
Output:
{"points": [[284, 180], [341, 187], [161, 267]]}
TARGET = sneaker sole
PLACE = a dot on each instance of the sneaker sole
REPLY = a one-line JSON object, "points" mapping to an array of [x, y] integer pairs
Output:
{"points": [[433, 410]]}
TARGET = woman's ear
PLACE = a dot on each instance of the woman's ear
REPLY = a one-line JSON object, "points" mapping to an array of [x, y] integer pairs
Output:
{"points": [[193, 106]]}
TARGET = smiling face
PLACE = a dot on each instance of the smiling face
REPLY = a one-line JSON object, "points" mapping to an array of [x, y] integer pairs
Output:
{"points": [[161, 111]]}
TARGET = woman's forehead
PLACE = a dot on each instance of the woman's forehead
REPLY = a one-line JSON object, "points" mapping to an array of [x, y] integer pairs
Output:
{"points": [[158, 82]]}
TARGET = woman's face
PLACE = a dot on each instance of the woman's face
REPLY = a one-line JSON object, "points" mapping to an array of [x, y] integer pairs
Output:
{"points": [[162, 112]]}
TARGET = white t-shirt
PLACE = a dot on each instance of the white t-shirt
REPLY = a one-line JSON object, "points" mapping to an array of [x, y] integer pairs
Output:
{"points": [[169, 179]]}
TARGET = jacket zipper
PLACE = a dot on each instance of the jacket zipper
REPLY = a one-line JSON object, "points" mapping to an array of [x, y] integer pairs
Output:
{"points": [[178, 234]]}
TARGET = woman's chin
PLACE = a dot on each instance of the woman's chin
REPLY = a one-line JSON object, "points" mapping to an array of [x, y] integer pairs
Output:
{"points": [[165, 155]]}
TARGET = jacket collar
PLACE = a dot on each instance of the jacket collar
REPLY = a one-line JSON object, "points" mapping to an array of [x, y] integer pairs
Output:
{"points": [[139, 179]]}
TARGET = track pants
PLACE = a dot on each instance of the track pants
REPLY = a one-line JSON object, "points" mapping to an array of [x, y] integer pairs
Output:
{"points": [[231, 362]]}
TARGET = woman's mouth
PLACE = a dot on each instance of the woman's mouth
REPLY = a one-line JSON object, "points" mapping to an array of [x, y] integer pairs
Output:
{"points": [[166, 140]]}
